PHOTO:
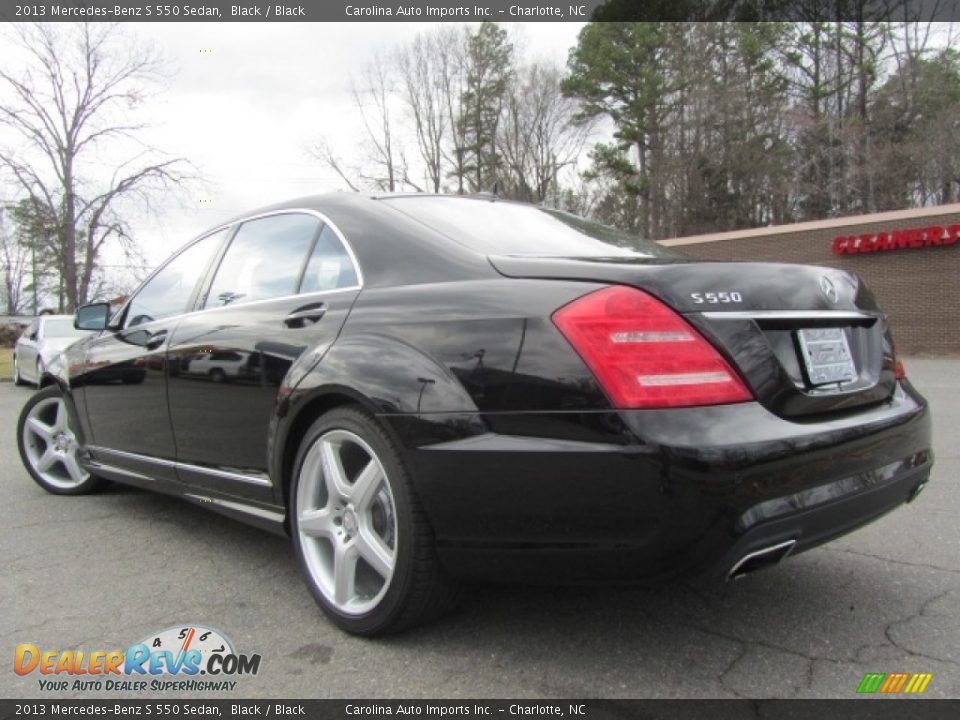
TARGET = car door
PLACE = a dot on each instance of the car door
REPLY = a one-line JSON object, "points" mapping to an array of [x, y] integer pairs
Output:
{"points": [[124, 378], [284, 285], [27, 351]]}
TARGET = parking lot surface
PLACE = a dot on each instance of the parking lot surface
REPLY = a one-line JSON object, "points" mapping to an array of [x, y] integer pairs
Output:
{"points": [[102, 572]]}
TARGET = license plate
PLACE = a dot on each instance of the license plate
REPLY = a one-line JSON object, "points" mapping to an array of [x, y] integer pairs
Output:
{"points": [[826, 355]]}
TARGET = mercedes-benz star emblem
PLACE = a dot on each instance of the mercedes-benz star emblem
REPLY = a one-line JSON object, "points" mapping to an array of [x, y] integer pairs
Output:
{"points": [[828, 289]]}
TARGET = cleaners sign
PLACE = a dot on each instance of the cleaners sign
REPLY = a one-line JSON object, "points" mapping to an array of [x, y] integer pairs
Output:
{"points": [[910, 239]]}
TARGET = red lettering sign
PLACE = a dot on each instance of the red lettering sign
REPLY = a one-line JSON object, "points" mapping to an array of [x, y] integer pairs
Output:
{"points": [[908, 239]]}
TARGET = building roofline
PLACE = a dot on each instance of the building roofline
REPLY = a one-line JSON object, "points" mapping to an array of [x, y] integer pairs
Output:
{"points": [[836, 223]]}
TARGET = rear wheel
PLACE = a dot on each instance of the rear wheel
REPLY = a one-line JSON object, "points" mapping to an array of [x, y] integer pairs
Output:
{"points": [[358, 530], [49, 447]]}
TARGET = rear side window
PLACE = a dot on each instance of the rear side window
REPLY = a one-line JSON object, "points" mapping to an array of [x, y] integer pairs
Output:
{"points": [[506, 228], [330, 265], [264, 260]]}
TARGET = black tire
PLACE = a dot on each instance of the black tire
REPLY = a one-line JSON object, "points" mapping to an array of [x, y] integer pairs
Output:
{"points": [[418, 590], [217, 375], [64, 476]]}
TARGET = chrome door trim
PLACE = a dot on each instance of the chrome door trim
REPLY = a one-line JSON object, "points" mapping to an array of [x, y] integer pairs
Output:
{"points": [[262, 480]]}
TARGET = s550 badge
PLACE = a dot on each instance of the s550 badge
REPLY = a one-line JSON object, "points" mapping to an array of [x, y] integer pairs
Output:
{"points": [[716, 298]]}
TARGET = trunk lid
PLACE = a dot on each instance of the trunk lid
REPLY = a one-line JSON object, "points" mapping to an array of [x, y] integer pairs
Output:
{"points": [[808, 340]]}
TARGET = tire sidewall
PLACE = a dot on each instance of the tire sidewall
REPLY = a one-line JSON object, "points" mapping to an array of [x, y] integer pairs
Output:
{"points": [[391, 605]]}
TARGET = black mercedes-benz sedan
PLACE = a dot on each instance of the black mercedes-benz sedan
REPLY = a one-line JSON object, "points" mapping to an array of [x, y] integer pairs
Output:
{"points": [[424, 389]]}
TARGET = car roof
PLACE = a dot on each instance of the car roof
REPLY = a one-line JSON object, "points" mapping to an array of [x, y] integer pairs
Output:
{"points": [[391, 247]]}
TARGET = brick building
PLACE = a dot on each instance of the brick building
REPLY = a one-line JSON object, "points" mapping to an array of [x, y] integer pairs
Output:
{"points": [[910, 259]]}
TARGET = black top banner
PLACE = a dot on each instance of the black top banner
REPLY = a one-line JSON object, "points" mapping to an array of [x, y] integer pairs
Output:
{"points": [[477, 10]]}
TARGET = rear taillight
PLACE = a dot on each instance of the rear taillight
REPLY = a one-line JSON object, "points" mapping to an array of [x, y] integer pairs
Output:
{"points": [[645, 355], [899, 371]]}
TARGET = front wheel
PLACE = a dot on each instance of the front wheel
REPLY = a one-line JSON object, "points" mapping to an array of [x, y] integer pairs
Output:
{"points": [[49, 447], [358, 530]]}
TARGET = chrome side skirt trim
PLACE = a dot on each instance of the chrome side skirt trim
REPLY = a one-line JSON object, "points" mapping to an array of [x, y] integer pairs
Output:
{"points": [[97, 465], [262, 480], [790, 315], [238, 507]]}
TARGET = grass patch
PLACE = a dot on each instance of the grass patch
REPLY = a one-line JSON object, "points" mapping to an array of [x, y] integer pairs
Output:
{"points": [[6, 363]]}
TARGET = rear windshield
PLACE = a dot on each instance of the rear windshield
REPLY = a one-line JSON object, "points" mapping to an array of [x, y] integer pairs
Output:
{"points": [[497, 227]]}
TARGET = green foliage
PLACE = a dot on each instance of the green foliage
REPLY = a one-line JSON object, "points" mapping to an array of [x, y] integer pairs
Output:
{"points": [[489, 71], [718, 126]]}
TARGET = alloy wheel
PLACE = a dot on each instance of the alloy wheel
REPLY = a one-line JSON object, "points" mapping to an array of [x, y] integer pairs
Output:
{"points": [[346, 521], [51, 447]]}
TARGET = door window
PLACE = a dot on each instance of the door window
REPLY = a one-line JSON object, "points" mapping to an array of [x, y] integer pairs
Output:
{"points": [[168, 292], [330, 266], [264, 260]]}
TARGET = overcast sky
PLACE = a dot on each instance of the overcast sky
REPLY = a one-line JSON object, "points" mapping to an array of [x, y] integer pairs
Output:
{"points": [[246, 108]]}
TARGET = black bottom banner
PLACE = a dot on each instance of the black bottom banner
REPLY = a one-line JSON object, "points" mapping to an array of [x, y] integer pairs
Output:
{"points": [[875, 709]]}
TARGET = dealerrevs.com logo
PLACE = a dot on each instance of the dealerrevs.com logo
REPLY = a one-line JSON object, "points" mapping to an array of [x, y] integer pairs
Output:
{"points": [[187, 658]]}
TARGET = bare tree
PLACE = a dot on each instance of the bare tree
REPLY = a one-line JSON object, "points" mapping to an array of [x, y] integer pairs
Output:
{"points": [[385, 167], [74, 95], [14, 266], [423, 67], [537, 137]]}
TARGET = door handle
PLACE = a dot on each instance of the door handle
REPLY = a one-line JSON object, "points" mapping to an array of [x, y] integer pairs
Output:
{"points": [[311, 313], [156, 340]]}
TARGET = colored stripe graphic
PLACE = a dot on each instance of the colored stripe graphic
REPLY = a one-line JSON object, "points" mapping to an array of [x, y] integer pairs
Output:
{"points": [[871, 682], [893, 683], [918, 683]]}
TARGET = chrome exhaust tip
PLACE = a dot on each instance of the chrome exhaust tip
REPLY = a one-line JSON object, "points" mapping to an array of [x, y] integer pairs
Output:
{"points": [[917, 490], [759, 559]]}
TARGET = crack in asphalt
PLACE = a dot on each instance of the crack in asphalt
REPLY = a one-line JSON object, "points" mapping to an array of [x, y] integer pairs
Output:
{"points": [[888, 630], [881, 558], [747, 644]]}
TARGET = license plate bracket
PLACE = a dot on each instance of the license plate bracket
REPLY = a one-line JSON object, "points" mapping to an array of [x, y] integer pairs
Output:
{"points": [[826, 356]]}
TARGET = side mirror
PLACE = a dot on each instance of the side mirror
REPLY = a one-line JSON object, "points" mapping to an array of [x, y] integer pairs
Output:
{"points": [[92, 317]]}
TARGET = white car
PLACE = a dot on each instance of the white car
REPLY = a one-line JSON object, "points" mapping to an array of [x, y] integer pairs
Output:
{"points": [[38, 345], [218, 365]]}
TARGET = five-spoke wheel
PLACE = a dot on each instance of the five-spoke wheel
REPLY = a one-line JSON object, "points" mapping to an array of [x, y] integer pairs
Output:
{"points": [[357, 527], [346, 519], [49, 447]]}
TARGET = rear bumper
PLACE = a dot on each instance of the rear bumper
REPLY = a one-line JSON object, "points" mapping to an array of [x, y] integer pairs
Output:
{"points": [[654, 495]]}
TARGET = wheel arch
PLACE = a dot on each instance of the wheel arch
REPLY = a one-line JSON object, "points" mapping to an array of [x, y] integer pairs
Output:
{"points": [[353, 372], [308, 410]]}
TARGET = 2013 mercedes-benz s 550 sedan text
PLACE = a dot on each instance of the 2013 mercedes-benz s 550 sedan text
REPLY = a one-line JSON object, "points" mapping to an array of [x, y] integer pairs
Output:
{"points": [[424, 389]]}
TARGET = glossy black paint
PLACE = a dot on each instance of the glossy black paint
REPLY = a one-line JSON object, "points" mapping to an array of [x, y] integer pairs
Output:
{"points": [[525, 470]]}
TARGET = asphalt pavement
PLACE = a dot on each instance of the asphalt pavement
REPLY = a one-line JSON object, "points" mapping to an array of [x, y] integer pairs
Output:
{"points": [[102, 572]]}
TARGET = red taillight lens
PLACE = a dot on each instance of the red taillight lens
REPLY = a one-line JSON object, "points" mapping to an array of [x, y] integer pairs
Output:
{"points": [[899, 371], [645, 355]]}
